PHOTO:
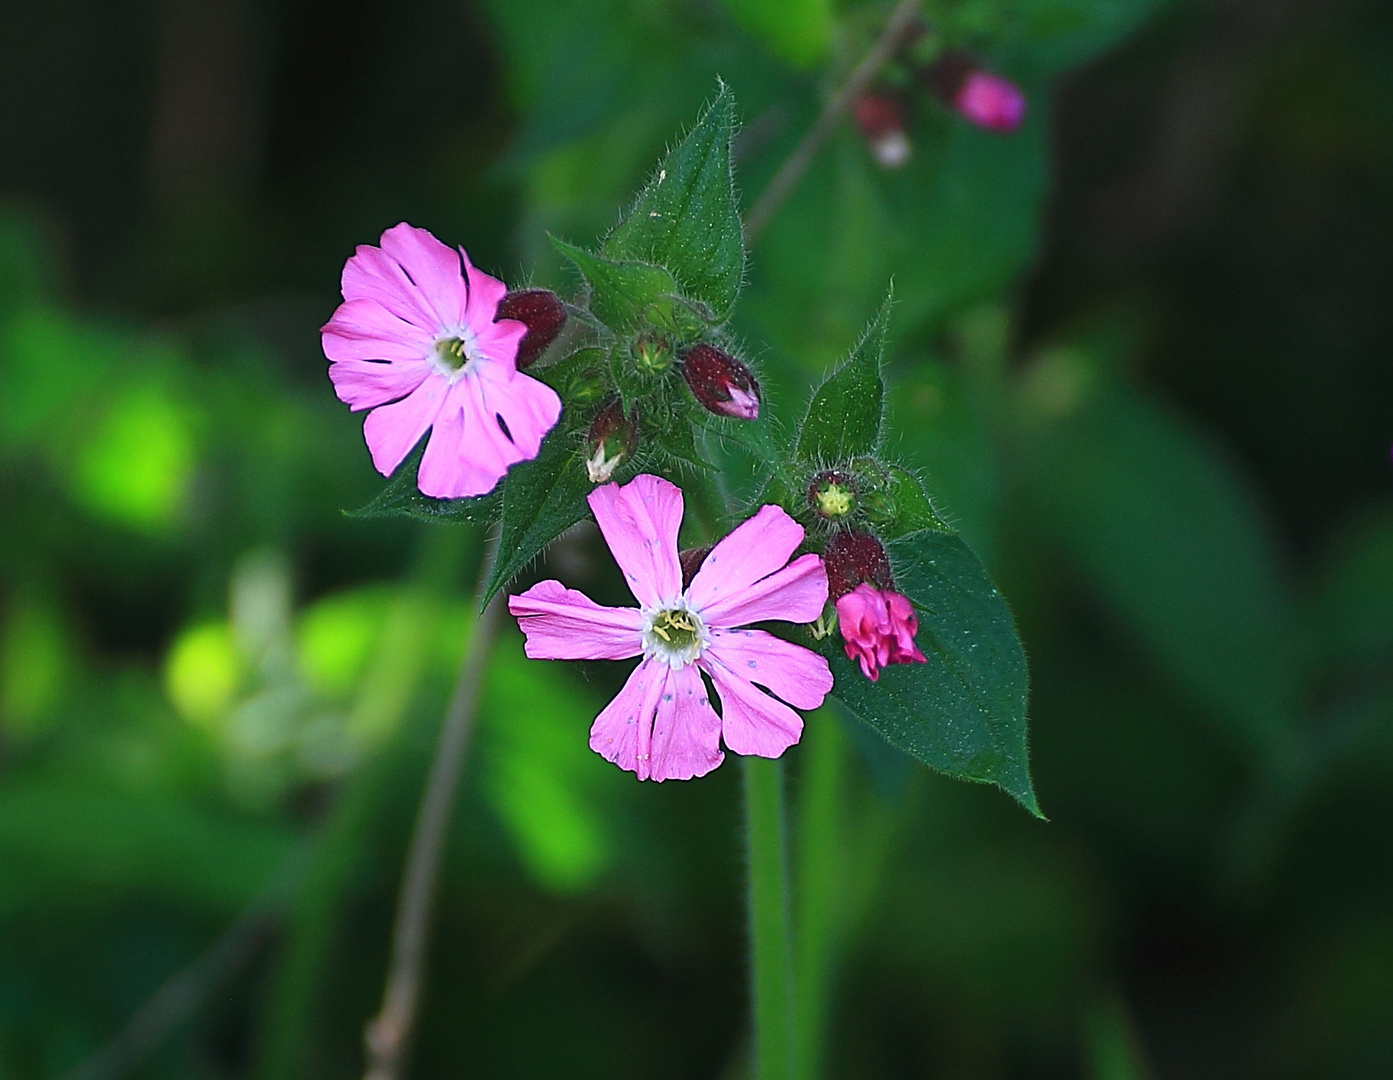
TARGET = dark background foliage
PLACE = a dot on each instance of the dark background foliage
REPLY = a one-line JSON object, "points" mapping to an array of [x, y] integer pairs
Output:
{"points": [[1143, 358]]}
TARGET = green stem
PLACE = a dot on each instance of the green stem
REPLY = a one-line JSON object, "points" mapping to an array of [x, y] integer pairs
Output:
{"points": [[771, 966], [820, 852]]}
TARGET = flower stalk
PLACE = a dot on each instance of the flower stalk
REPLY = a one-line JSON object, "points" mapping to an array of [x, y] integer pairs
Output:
{"points": [[771, 952]]}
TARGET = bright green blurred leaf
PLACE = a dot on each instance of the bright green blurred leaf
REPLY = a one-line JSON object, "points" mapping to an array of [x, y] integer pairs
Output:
{"points": [[335, 637], [136, 466], [686, 219], [963, 711], [202, 671], [799, 31], [539, 773]]}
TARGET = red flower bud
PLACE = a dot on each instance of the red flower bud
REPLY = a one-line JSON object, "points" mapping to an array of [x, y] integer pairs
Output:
{"points": [[853, 557], [720, 382], [882, 124], [976, 94], [690, 561], [542, 312], [611, 439]]}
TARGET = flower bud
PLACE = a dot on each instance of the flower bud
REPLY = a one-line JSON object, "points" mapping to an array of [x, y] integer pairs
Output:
{"points": [[720, 382], [878, 628], [976, 94], [611, 439], [542, 312], [832, 495], [652, 353], [854, 557], [882, 124]]}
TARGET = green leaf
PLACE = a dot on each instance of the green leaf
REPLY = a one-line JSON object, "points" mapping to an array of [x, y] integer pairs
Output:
{"points": [[962, 712], [686, 219], [401, 498], [844, 416], [621, 292], [899, 506], [542, 499]]}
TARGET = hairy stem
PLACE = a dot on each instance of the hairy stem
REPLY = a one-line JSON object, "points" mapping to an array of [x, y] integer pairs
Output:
{"points": [[388, 1035], [797, 162], [771, 961]]}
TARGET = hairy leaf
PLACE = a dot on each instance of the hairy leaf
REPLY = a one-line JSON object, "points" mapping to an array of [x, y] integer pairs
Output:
{"points": [[962, 712], [686, 219], [621, 292], [844, 416]]}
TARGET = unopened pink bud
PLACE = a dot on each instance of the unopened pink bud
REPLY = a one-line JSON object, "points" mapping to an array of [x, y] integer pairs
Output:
{"points": [[720, 382], [979, 96], [542, 312], [878, 628], [882, 123], [990, 102]]}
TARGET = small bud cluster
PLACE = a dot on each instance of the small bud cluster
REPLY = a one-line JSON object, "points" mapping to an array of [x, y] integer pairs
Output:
{"points": [[959, 80]]}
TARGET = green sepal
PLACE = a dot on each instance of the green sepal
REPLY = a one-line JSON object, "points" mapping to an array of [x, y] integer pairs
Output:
{"points": [[844, 416], [542, 499], [897, 505], [401, 498], [622, 292], [687, 219], [963, 711]]}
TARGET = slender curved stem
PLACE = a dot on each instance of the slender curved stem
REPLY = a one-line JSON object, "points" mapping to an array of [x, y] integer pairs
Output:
{"points": [[771, 960], [388, 1035], [797, 162]]}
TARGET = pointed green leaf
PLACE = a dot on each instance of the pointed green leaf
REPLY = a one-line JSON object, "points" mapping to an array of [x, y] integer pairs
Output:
{"points": [[401, 498], [962, 712], [542, 499], [900, 506], [844, 416], [621, 292], [686, 219]]}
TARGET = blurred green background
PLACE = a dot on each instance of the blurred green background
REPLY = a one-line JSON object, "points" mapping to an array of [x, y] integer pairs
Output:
{"points": [[1143, 356]]}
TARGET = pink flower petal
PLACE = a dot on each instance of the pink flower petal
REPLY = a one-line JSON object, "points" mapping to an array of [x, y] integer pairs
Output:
{"points": [[372, 274], [623, 731], [529, 407], [365, 330], [796, 593], [754, 549], [752, 722], [686, 731], [495, 348], [562, 624], [366, 384], [639, 522], [484, 293], [392, 430], [434, 267], [468, 452], [797, 675]]}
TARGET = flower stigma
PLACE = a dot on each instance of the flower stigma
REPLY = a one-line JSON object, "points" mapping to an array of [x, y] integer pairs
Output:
{"points": [[675, 636]]}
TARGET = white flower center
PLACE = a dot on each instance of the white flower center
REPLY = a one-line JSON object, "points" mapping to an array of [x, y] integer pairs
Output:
{"points": [[453, 354], [676, 635]]}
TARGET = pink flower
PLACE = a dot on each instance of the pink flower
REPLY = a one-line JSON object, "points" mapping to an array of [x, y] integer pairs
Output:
{"points": [[417, 341], [990, 102], [879, 627], [661, 725]]}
